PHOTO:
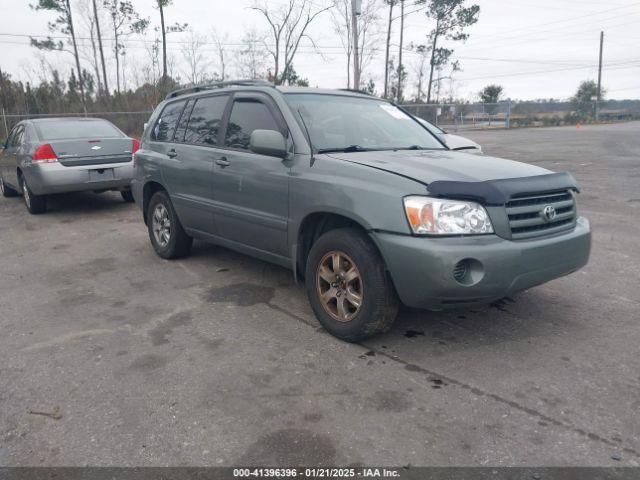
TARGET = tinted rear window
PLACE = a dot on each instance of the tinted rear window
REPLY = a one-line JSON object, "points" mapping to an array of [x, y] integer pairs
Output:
{"points": [[205, 120], [72, 129], [165, 127]]}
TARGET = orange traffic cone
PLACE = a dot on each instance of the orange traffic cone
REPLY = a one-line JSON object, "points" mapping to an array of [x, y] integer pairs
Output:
{"points": [[578, 125]]}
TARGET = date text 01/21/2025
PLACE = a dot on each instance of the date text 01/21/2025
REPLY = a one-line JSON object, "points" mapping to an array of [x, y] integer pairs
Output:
{"points": [[316, 473]]}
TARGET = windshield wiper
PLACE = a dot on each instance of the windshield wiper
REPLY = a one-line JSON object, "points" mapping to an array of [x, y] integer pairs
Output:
{"points": [[349, 149]]}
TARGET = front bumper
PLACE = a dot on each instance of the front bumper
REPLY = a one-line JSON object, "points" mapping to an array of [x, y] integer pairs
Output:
{"points": [[48, 178], [422, 268]]}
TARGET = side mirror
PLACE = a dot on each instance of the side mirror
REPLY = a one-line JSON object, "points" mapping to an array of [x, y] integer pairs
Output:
{"points": [[268, 142]]}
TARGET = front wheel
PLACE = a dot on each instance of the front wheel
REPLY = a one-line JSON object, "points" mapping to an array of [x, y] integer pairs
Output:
{"points": [[35, 203], [348, 287], [167, 236]]}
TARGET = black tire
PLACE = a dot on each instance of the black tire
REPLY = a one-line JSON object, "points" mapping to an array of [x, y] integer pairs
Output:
{"points": [[379, 304], [178, 244], [127, 196], [6, 190], [35, 203]]}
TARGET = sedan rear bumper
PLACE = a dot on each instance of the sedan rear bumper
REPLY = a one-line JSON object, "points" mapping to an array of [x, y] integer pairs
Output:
{"points": [[48, 178], [423, 269]]}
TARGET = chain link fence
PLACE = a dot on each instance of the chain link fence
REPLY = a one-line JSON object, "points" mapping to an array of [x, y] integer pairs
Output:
{"points": [[466, 116], [450, 116], [461, 116], [131, 123]]}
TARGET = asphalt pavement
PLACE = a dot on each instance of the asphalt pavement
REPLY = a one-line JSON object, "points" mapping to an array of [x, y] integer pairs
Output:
{"points": [[217, 359]]}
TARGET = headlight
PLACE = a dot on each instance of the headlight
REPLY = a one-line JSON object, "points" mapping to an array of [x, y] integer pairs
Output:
{"points": [[438, 216]]}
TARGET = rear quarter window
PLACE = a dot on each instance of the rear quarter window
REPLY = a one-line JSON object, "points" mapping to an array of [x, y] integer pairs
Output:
{"points": [[167, 122]]}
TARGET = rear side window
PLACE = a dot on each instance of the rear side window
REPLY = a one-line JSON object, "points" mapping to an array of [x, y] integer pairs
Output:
{"points": [[16, 141], [74, 129], [166, 124], [12, 135], [205, 120], [247, 116]]}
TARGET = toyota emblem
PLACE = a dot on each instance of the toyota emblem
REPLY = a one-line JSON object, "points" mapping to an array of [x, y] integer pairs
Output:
{"points": [[549, 213]]}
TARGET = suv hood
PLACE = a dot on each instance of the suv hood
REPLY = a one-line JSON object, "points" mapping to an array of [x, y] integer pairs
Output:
{"points": [[442, 165]]}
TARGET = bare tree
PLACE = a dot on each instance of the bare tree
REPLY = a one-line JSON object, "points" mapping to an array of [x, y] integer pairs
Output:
{"points": [[124, 21], [401, 46], [288, 25], [452, 17], [63, 24], [420, 70], [96, 17], [86, 14], [164, 30], [193, 52], [368, 34], [341, 18], [250, 58], [392, 4], [219, 42]]}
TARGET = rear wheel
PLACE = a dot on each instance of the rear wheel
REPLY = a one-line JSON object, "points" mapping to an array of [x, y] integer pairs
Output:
{"points": [[35, 203], [167, 236], [127, 196], [348, 287], [6, 190]]}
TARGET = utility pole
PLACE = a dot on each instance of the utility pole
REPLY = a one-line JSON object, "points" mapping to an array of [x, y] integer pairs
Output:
{"points": [[356, 9], [599, 97]]}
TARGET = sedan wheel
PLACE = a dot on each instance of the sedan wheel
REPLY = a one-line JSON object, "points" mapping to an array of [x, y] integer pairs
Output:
{"points": [[35, 203]]}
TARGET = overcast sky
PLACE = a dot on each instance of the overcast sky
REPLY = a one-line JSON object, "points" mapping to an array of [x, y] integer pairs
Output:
{"points": [[534, 48]]}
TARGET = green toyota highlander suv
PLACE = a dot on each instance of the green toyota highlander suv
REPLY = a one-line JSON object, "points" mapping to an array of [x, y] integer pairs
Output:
{"points": [[356, 197]]}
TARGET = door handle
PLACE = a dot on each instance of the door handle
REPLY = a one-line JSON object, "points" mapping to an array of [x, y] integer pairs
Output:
{"points": [[172, 153], [223, 162]]}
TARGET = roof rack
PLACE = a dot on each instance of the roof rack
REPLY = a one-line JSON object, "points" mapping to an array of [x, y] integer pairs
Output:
{"points": [[213, 86], [354, 90]]}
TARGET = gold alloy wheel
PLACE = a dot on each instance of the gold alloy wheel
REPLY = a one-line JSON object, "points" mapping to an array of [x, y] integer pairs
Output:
{"points": [[339, 286]]}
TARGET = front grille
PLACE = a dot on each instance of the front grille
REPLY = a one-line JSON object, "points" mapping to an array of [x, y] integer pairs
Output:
{"points": [[527, 219]]}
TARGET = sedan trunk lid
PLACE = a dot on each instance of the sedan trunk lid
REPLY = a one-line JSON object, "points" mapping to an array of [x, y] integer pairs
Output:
{"points": [[78, 152]]}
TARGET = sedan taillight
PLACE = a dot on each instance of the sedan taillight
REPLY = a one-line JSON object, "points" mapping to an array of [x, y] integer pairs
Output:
{"points": [[44, 153]]}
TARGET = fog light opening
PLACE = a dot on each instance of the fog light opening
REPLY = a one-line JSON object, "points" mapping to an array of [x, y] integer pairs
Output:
{"points": [[468, 271]]}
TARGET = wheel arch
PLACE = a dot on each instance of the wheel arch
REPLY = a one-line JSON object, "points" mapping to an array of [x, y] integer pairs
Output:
{"points": [[149, 189], [312, 227]]}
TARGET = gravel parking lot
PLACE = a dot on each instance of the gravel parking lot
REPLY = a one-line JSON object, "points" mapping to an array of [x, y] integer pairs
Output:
{"points": [[217, 359]]}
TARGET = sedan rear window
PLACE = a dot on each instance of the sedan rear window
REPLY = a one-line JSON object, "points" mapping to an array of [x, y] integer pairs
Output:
{"points": [[73, 129]]}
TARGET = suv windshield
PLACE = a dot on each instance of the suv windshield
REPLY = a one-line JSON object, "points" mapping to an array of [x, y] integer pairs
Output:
{"points": [[351, 124]]}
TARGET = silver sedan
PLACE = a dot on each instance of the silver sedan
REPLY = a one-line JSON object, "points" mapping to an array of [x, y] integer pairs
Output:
{"points": [[59, 155], [454, 142]]}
